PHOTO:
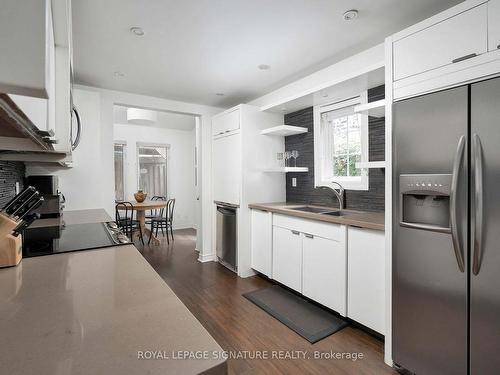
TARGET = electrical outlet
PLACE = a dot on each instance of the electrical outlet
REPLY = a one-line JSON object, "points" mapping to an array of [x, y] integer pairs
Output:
{"points": [[294, 181]]}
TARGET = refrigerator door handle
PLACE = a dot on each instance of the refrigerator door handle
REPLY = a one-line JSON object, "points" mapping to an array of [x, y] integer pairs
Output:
{"points": [[457, 163], [477, 233]]}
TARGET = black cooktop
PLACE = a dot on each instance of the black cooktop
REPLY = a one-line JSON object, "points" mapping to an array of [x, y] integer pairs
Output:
{"points": [[39, 241]]}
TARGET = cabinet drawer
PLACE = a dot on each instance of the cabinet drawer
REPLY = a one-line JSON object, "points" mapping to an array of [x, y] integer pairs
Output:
{"points": [[226, 123], [317, 228], [442, 43]]}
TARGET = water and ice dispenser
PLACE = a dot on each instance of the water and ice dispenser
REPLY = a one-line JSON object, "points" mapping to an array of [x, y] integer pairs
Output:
{"points": [[425, 201]]}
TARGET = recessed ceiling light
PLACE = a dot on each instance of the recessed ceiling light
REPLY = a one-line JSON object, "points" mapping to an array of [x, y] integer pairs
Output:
{"points": [[219, 93], [264, 67], [118, 74], [138, 31], [350, 15]]}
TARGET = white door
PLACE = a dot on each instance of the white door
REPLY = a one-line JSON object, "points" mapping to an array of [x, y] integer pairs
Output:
{"points": [[226, 123], [287, 257], [226, 168], [366, 281], [324, 272], [262, 242], [442, 43], [493, 25]]}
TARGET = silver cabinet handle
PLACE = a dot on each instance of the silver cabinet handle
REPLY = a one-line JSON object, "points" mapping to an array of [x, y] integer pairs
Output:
{"points": [[477, 232], [75, 142], [466, 57], [308, 235], [457, 163], [296, 232]]}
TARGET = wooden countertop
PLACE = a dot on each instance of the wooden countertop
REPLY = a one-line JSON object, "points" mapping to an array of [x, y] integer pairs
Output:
{"points": [[94, 312], [363, 219]]}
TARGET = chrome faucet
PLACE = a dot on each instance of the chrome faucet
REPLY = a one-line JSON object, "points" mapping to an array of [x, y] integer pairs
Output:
{"points": [[339, 194]]}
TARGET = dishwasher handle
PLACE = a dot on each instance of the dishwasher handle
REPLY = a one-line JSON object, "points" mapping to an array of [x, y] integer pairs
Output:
{"points": [[226, 211]]}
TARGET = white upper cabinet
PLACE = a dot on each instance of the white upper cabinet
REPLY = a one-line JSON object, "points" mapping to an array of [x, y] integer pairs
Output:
{"points": [[226, 167], [493, 25], [449, 41], [226, 123], [27, 48]]}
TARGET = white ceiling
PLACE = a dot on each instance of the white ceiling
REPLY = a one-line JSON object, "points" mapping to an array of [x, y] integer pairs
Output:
{"points": [[165, 119], [193, 49]]}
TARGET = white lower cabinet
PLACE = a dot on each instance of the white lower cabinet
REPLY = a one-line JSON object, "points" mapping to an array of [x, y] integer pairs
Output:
{"points": [[262, 242], [324, 272], [366, 277], [287, 257], [338, 266]]}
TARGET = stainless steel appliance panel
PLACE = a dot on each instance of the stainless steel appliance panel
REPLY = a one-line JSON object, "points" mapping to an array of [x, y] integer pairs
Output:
{"points": [[485, 228], [226, 239], [429, 290]]}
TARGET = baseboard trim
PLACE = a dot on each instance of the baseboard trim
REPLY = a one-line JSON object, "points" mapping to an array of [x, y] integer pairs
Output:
{"points": [[184, 226], [203, 258]]}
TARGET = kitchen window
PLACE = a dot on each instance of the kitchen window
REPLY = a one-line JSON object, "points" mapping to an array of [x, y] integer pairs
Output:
{"points": [[341, 141], [120, 150]]}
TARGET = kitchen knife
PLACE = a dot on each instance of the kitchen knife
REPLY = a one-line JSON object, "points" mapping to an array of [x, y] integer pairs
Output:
{"points": [[34, 204], [25, 224], [21, 208], [18, 199]]}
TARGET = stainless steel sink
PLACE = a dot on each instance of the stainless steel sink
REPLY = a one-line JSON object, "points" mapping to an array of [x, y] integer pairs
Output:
{"points": [[333, 213], [318, 210]]}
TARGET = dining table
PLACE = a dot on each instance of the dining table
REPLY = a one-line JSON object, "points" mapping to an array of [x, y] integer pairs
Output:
{"points": [[141, 208]]}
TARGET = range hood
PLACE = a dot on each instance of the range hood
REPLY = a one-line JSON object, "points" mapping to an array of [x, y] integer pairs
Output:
{"points": [[20, 139]]}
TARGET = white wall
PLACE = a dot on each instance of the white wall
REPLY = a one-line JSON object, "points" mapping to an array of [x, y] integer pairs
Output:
{"points": [[180, 183], [85, 185], [94, 162]]}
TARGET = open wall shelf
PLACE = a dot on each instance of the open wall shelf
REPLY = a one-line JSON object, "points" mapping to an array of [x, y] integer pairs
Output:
{"points": [[284, 130], [375, 109], [287, 169]]}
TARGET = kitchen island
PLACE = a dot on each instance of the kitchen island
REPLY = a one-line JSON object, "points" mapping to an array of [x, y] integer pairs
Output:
{"points": [[102, 311]]}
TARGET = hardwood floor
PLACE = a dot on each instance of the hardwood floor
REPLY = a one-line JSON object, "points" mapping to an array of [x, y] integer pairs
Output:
{"points": [[214, 295]]}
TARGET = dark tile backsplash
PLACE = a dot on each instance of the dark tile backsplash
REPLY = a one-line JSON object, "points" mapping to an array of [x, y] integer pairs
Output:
{"points": [[371, 200], [10, 173]]}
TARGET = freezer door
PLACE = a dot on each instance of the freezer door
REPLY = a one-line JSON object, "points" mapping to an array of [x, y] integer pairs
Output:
{"points": [[485, 236], [429, 290]]}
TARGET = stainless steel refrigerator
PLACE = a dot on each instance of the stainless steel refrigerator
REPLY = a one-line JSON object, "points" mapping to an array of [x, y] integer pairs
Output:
{"points": [[446, 231]]}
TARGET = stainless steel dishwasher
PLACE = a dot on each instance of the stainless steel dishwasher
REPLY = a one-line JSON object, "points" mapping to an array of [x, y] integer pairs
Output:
{"points": [[226, 239]]}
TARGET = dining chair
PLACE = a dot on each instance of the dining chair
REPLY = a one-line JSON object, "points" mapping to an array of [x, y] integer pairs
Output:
{"points": [[124, 216], [155, 212], [164, 221]]}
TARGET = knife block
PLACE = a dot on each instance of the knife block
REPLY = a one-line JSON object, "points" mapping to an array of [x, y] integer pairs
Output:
{"points": [[10, 247]]}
